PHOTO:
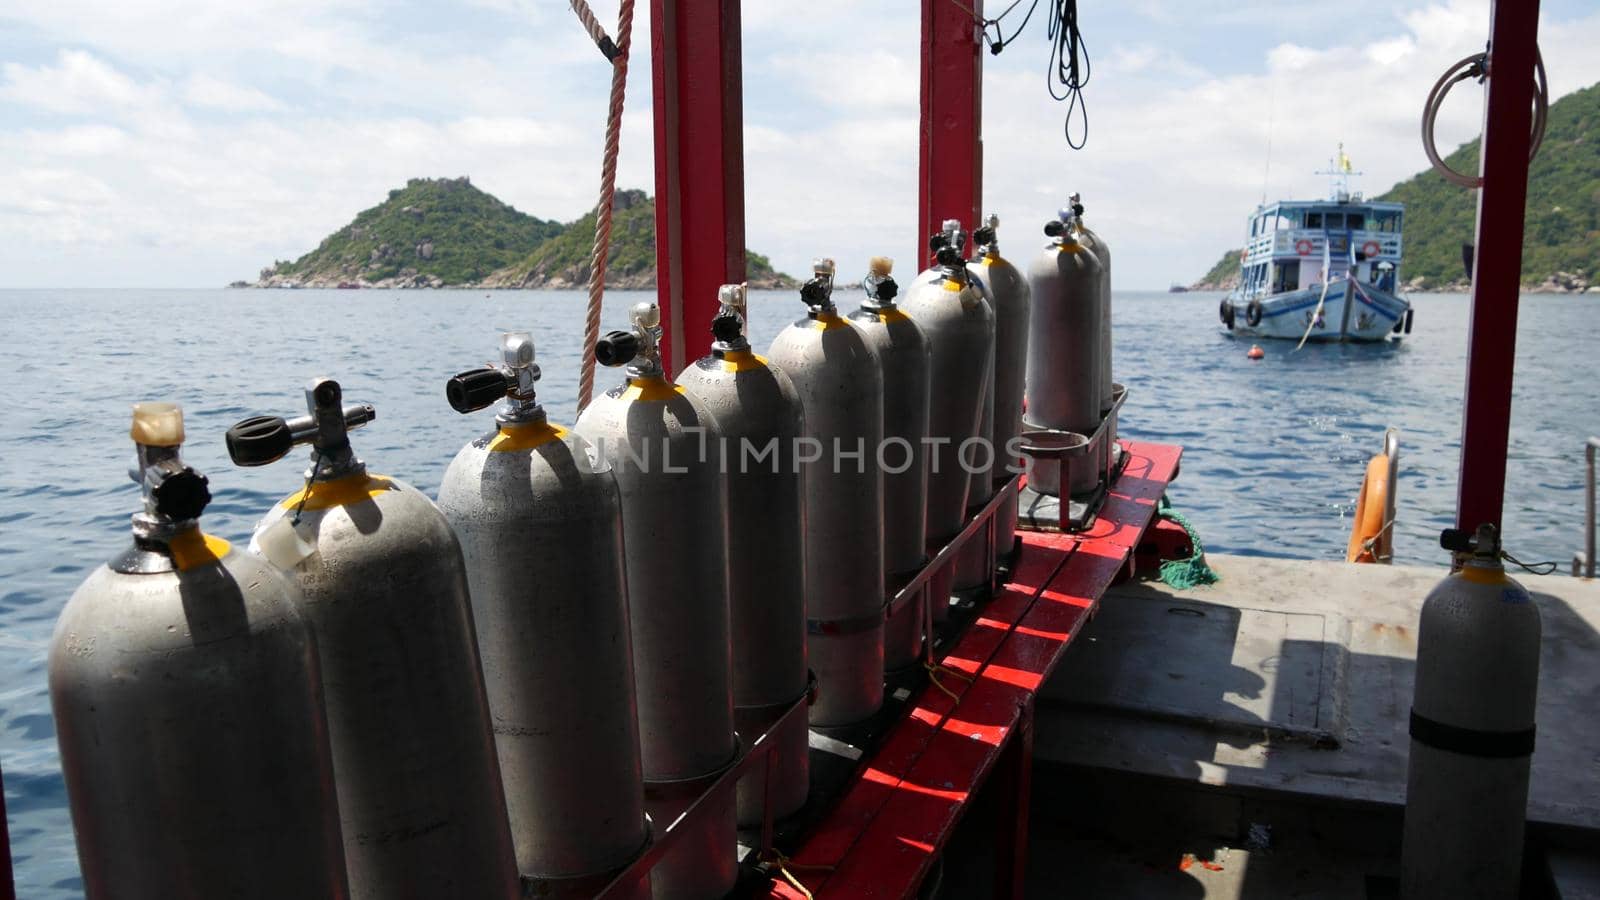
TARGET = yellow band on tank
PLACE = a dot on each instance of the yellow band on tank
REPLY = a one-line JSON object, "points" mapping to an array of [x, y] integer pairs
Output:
{"points": [[194, 548], [742, 361], [992, 258], [952, 285], [525, 436], [1478, 575], [346, 491], [650, 390], [828, 322], [887, 316], [1069, 248]]}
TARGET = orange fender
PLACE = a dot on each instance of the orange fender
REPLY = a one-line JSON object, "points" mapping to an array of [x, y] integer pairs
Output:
{"points": [[1370, 539]]}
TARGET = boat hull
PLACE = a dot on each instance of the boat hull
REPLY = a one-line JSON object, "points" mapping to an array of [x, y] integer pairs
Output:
{"points": [[1350, 312]]}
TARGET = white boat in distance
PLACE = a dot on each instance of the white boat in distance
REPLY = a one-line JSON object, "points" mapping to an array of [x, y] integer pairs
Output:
{"points": [[1321, 270]]}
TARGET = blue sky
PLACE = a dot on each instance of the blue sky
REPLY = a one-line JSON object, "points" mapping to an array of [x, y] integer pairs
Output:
{"points": [[189, 142]]}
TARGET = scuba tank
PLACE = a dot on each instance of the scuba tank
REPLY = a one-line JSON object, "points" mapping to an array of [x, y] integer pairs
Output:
{"points": [[188, 708], [1064, 339], [902, 350], [1013, 312], [759, 416], [1102, 252], [958, 319], [540, 525], [658, 439], [381, 573], [840, 384]]}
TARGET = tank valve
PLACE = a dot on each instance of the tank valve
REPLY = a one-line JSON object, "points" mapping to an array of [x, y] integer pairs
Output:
{"points": [[818, 292], [1482, 544], [513, 380], [639, 349], [879, 284], [174, 493], [727, 328], [985, 240], [260, 440]]}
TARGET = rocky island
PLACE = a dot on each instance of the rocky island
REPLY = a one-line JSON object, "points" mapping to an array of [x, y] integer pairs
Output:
{"points": [[446, 233]]}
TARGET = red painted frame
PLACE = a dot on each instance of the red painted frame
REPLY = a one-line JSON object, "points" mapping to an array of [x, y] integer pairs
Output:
{"points": [[897, 814], [1497, 263], [699, 121], [950, 155]]}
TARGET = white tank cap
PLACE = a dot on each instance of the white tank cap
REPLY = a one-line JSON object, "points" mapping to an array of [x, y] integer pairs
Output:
{"points": [[822, 265], [157, 424], [951, 225], [516, 349], [992, 220], [732, 295], [646, 315], [880, 266]]}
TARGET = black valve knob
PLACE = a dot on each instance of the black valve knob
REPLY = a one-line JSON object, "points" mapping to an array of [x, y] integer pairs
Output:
{"points": [[1055, 228], [815, 292], [726, 328], [617, 348], [259, 440], [885, 290], [182, 495], [1457, 540], [949, 257], [984, 235], [937, 240], [472, 391]]}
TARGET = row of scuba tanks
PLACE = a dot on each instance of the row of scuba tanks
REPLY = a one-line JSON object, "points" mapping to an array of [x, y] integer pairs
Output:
{"points": [[388, 697]]}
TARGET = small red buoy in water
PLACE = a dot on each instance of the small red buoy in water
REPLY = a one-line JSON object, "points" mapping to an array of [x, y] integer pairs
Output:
{"points": [[1256, 352]]}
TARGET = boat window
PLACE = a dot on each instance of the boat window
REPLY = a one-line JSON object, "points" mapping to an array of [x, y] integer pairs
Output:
{"points": [[1355, 221], [1333, 221], [1313, 220]]}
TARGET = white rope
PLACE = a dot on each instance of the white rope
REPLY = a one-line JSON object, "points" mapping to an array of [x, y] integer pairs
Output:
{"points": [[608, 188], [1327, 278]]}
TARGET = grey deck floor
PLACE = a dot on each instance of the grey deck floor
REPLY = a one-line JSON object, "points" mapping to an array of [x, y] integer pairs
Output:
{"points": [[1296, 676]]}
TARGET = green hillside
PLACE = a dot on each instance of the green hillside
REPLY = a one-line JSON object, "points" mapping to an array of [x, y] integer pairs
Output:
{"points": [[1563, 226], [1561, 245], [563, 261], [432, 232], [446, 233], [1224, 276]]}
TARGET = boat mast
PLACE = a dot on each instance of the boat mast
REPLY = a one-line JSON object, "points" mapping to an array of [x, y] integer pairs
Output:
{"points": [[1497, 264], [699, 124], [950, 174]]}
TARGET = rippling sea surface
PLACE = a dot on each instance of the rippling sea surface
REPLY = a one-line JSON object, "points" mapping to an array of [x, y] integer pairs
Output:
{"points": [[1274, 450]]}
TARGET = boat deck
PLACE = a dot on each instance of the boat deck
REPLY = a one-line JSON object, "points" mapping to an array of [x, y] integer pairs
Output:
{"points": [[1280, 695]]}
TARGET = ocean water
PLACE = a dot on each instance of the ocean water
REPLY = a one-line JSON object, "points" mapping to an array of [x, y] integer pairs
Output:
{"points": [[1274, 450]]}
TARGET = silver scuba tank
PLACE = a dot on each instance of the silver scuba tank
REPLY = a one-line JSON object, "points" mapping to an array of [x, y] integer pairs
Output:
{"points": [[662, 444], [1102, 252], [759, 416], [837, 375], [188, 708], [958, 319], [540, 525], [1064, 338], [902, 351], [383, 587], [1013, 313]]}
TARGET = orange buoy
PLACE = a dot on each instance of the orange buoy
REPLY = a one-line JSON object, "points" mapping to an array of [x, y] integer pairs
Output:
{"points": [[1370, 537], [1256, 352]]}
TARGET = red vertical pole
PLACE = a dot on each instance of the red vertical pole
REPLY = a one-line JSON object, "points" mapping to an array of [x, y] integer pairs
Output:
{"points": [[699, 120], [1014, 777], [950, 176], [1497, 262]]}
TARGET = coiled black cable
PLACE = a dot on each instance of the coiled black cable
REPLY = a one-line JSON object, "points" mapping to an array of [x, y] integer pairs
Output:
{"points": [[1069, 68]]}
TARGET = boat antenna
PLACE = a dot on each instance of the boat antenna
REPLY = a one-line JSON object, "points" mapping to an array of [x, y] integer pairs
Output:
{"points": [[1272, 107]]}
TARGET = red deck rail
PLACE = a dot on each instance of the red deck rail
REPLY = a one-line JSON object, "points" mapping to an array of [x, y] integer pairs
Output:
{"points": [[900, 809]]}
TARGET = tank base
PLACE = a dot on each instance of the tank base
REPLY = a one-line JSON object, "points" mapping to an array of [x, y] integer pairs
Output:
{"points": [[704, 864], [791, 778], [583, 887]]}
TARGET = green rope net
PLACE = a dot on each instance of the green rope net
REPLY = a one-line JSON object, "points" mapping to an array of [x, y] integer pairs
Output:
{"points": [[1185, 573]]}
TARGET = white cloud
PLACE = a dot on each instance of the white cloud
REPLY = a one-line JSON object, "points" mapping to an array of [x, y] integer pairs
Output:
{"points": [[215, 93], [193, 141]]}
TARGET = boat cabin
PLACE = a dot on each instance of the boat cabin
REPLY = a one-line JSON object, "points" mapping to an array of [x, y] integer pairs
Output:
{"points": [[1295, 245]]}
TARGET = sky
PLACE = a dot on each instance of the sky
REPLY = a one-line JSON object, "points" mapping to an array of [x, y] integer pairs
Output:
{"points": [[188, 143]]}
